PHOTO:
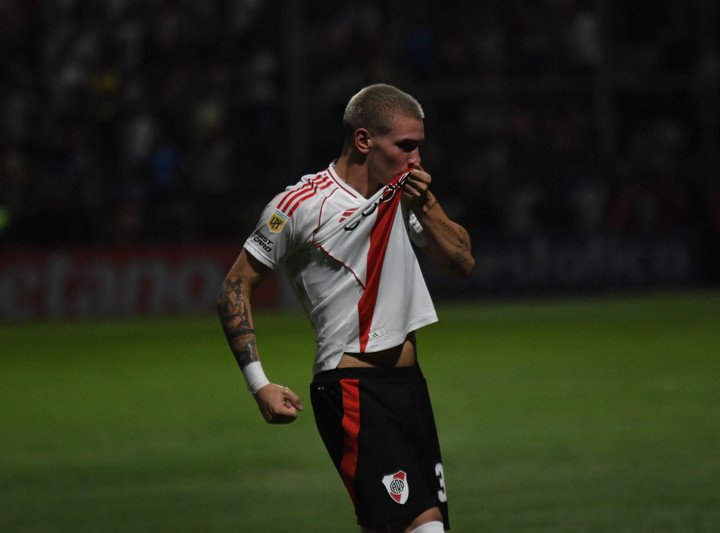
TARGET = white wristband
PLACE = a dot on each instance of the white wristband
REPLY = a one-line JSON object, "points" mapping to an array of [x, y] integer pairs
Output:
{"points": [[254, 377]]}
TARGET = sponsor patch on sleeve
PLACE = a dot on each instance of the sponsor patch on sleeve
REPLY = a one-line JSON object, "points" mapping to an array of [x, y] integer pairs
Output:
{"points": [[262, 241], [277, 221]]}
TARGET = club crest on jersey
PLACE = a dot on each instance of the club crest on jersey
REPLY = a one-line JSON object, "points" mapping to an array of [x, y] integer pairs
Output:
{"points": [[397, 486], [277, 221]]}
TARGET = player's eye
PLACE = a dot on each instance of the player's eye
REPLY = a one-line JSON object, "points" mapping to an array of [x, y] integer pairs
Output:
{"points": [[408, 146]]}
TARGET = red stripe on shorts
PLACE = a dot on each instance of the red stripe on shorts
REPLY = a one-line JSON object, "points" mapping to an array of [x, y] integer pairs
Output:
{"points": [[351, 427]]}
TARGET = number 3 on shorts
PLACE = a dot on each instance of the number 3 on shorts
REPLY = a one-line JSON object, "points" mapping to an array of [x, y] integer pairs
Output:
{"points": [[440, 473]]}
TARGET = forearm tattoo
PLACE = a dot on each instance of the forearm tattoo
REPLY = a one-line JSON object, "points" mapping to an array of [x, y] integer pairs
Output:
{"points": [[430, 205], [234, 311], [239, 333], [461, 253]]}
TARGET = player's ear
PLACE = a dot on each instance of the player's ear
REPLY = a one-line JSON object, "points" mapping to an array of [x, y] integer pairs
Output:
{"points": [[363, 140]]}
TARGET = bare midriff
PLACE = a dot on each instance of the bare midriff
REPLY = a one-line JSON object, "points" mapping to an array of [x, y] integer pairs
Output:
{"points": [[397, 356]]}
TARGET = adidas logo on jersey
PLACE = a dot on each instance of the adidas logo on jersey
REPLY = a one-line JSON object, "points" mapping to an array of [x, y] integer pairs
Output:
{"points": [[376, 334]]}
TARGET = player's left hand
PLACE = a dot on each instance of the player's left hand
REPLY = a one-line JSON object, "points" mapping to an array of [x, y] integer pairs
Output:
{"points": [[417, 188]]}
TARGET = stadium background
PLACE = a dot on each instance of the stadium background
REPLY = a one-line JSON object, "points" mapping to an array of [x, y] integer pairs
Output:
{"points": [[576, 140]]}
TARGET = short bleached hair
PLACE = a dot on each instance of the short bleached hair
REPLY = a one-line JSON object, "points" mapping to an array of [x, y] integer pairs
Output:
{"points": [[376, 107]]}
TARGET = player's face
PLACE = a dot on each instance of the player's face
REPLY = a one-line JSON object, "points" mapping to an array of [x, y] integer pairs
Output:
{"points": [[396, 151]]}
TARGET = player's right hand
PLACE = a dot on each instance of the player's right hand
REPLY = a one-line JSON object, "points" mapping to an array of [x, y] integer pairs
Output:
{"points": [[278, 404]]}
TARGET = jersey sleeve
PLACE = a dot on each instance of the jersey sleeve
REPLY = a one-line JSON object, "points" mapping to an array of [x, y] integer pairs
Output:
{"points": [[415, 230], [276, 235]]}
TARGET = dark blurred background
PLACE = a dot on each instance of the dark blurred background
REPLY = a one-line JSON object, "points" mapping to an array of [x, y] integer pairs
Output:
{"points": [[577, 140]]}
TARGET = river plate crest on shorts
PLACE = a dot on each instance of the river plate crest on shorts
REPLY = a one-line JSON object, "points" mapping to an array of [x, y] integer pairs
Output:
{"points": [[397, 486]]}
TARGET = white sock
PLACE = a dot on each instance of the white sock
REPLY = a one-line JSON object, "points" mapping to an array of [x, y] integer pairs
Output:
{"points": [[430, 527]]}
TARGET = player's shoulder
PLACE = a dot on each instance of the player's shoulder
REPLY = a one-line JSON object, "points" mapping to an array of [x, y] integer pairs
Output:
{"points": [[306, 194], [298, 205]]}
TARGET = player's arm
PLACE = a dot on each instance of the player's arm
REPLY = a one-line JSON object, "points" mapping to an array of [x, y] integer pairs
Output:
{"points": [[278, 405], [448, 243]]}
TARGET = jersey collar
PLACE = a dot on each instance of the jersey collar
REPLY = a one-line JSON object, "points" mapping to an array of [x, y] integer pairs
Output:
{"points": [[341, 184]]}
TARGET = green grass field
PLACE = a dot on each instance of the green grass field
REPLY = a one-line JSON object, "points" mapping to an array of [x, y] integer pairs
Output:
{"points": [[578, 415]]}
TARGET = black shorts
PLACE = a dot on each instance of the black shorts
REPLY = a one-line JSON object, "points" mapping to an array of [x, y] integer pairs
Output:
{"points": [[378, 426]]}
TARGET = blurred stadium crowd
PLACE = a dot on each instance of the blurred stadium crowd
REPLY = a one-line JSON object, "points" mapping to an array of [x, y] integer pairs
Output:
{"points": [[144, 121]]}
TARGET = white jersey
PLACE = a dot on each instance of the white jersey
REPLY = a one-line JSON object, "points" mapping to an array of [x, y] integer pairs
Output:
{"points": [[350, 261]]}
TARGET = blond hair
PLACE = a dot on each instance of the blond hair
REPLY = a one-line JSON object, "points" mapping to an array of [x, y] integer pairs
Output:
{"points": [[376, 107]]}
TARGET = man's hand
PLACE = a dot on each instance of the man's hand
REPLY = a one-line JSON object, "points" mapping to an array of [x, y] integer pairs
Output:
{"points": [[448, 243], [278, 404], [416, 191]]}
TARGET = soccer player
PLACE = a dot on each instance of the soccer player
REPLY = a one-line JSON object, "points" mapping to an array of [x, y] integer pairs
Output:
{"points": [[343, 236]]}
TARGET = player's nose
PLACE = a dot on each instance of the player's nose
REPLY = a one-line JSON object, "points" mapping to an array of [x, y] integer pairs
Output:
{"points": [[414, 159]]}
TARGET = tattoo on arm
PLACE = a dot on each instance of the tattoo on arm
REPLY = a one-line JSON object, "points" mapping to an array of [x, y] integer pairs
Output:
{"points": [[460, 256], [234, 312], [453, 250], [245, 353], [462, 242], [430, 205], [240, 332]]}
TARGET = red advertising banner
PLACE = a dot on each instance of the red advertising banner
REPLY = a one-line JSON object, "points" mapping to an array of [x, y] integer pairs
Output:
{"points": [[89, 283]]}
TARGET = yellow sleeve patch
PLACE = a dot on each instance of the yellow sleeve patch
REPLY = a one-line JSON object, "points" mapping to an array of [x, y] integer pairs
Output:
{"points": [[276, 222]]}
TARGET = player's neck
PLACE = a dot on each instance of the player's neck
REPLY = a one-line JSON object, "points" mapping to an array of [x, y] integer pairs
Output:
{"points": [[355, 175]]}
